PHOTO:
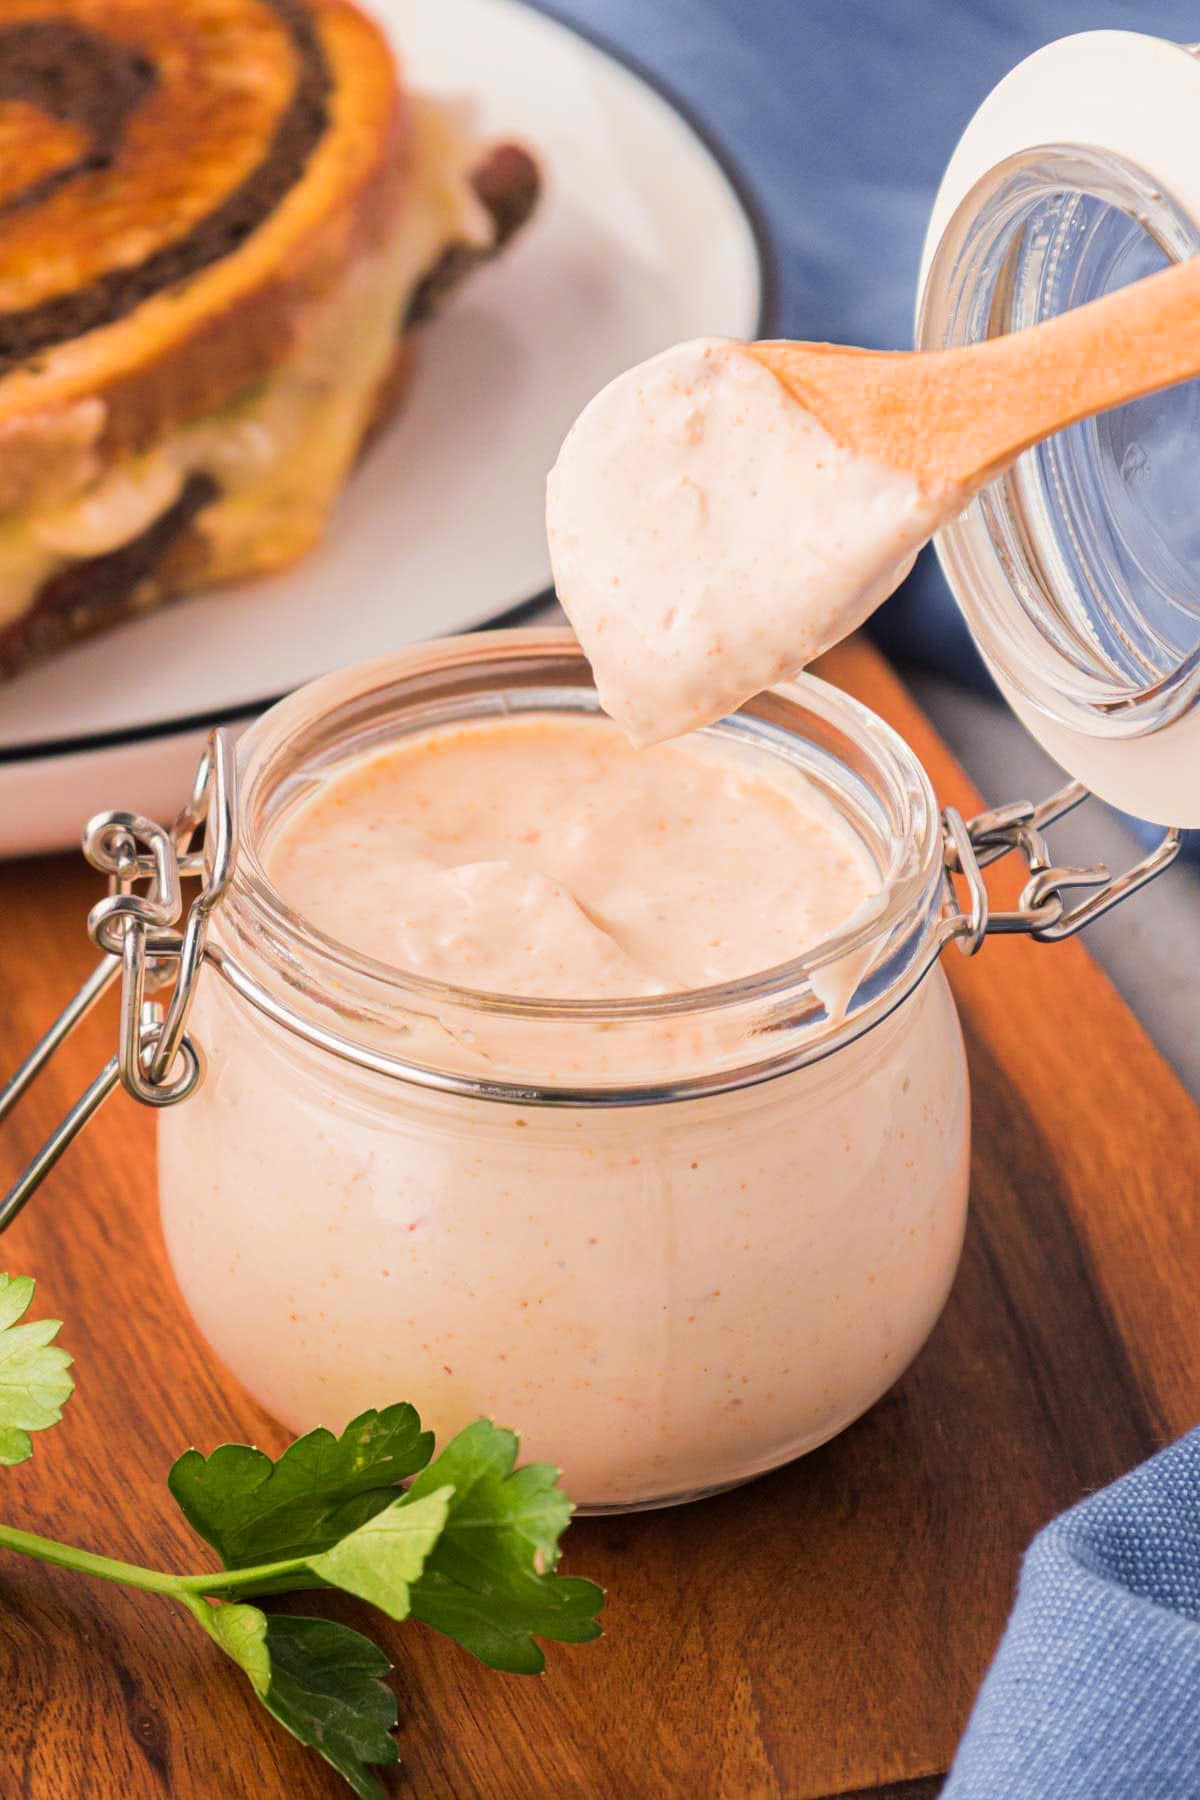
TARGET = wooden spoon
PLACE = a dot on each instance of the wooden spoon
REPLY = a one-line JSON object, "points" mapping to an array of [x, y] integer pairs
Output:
{"points": [[954, 418]]}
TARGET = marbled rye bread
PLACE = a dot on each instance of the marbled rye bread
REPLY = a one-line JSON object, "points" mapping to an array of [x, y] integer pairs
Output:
{"points": [[190, 190]]}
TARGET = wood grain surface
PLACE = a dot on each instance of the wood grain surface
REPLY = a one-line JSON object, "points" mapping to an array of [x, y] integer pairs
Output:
{"points": [[819, 1633]]}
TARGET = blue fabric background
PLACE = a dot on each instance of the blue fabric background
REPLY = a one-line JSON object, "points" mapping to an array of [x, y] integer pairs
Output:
{"points": [[840, 115]]}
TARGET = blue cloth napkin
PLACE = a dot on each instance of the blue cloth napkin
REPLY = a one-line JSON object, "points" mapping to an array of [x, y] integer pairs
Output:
{"points": [[840, 116], [1095, 1690]]}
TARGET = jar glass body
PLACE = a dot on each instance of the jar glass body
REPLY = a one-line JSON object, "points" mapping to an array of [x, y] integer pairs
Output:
{"points": [[664, 1300], [708, 1256]]}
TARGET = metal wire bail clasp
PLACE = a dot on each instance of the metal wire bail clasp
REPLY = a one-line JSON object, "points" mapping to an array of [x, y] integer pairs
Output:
{"points": [[1042, 911], [136, 927]]}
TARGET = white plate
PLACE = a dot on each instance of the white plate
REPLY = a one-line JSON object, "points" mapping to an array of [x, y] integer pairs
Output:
{"points": [[641, 240]]}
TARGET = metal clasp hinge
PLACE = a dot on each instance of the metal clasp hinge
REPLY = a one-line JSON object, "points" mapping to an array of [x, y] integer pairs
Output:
{"points": [[1042, 911], [156, 1060]]}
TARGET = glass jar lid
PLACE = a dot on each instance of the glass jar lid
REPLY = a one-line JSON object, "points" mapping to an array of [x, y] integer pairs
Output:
{"points": [[1078, 571]]}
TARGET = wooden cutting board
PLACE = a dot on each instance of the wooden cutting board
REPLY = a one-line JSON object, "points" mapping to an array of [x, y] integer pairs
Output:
{"points": [[819, 1633]]}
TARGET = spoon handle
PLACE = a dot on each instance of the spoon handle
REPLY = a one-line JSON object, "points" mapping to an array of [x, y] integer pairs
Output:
{"points": [[954, 418], [1129, 343]]}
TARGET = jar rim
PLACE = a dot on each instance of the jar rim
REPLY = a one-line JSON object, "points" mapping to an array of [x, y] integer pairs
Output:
{"points": [[270, 932]]}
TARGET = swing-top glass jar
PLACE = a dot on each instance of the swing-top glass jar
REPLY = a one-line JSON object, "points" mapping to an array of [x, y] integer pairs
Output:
{"points": [[676, 1239]]}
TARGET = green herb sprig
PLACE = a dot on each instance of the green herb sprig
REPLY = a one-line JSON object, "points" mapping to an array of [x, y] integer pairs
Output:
{"points": [[469, 1547]]}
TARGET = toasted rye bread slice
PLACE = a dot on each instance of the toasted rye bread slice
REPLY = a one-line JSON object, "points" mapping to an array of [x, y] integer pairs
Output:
{"points": [[171, 555], [194, 200], [230, 158]]}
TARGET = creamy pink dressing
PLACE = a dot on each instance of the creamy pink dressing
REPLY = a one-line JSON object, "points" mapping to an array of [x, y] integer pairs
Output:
{"points": [[543, 856], [709, 537]]}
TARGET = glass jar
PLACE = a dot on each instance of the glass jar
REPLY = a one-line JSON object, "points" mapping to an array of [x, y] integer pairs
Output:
{"points": [[716, 1239]]}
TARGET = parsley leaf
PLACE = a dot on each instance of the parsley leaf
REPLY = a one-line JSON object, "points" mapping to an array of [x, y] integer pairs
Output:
{"points": [[326, 1688], [381, 1560], [34, 1384], [252, 1510], [320, 1680], [489, 1581], [241, 1631], [471, 1549]]}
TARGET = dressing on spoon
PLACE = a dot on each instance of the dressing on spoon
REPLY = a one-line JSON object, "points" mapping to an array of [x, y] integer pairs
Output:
{"points": [[709, 537]]}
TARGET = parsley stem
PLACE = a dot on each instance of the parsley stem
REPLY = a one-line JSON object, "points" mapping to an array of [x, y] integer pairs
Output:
{"points": [[200, 1609], [181, 1587], [68, 1556], [218, 1581]]}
